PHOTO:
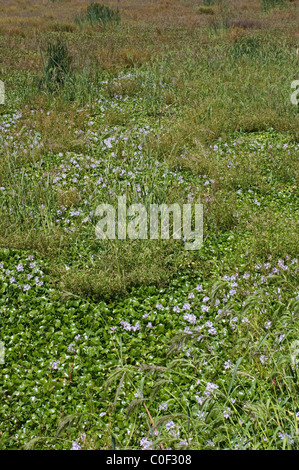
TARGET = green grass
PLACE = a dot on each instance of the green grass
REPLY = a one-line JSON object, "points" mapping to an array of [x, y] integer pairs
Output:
{"points": [[268, 4], [56, 65], [98, 14], [128, 344]]}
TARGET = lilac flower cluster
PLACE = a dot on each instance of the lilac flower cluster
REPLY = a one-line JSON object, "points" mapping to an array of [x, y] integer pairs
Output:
{"points": [[24, 276]]}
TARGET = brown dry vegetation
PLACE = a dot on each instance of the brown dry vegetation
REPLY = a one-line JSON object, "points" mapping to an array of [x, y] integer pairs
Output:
{"points": [[150, 27], [165, 13], [23, 17]]}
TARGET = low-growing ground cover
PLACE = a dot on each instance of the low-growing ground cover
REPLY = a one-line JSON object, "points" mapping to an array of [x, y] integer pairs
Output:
{"points": [[130, 344]]}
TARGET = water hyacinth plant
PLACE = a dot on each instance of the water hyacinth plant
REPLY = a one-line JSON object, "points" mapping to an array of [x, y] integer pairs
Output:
{"points": [[139, 344]]}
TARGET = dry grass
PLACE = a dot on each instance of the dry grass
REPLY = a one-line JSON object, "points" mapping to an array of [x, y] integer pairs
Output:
{"points": [[148, 27], [44, 14]]}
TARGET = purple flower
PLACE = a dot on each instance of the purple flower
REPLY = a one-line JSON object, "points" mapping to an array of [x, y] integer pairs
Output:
{"points": [[54, 365], [227, 364], [190, 318], [186, 306], [126, 325], [212, 331], [185, 442], [146, 444], [170, 425], [280, 338], [287, 437], [263, 359], [200, 400], [227, 412], [136, 327], [202, 415], [76, 446], [211, 387], [210, 444], [163, 407]]}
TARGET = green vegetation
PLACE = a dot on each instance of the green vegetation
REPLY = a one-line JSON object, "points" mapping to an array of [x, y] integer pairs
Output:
{"points": [[130, 344], [56, 65], [268, 4], [97, 13]]}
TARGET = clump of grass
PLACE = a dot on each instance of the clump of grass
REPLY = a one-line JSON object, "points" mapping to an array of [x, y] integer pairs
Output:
{"points": [[274, 233], [123, 267], [218, 24], [57, 64], [206, 10], [98, 14], [246, 45], [269, 4]]}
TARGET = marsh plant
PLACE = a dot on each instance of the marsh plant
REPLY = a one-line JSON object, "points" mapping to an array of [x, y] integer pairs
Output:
{"points": [[98, 14], [56, 65]]}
